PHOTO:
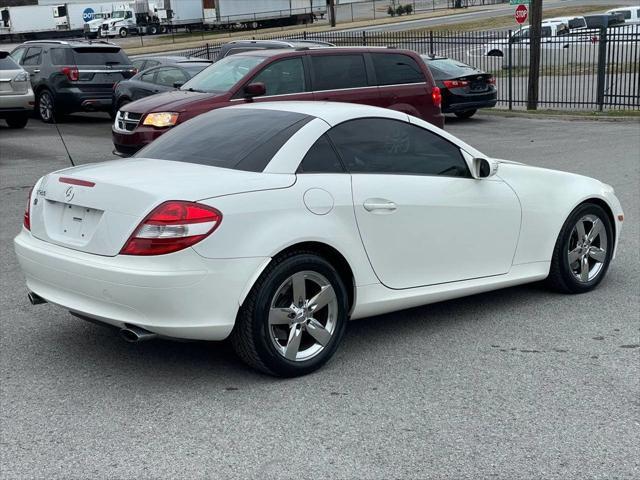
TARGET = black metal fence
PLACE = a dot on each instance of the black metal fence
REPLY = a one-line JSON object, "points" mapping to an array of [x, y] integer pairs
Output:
{"points": [[596, 69]]}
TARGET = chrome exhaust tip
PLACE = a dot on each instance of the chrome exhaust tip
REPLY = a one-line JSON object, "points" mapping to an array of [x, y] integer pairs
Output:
{"points": [[35, 299], [133, 334]]}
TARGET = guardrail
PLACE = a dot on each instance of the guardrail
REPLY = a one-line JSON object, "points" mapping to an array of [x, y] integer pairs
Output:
{"points": [[589, 69]]}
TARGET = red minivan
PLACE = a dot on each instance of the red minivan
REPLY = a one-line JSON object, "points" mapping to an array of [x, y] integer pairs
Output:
{"points": [[383, 77]]}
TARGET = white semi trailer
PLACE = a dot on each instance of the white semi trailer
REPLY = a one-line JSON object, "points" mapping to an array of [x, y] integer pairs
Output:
{"points": [[261, 13]]}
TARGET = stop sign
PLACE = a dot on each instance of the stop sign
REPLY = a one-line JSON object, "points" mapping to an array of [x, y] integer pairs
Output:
{"points": [[521, 14]]}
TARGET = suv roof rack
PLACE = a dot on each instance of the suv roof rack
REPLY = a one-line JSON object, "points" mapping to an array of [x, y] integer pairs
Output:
{"points": [[64, 42], [57, 42]]}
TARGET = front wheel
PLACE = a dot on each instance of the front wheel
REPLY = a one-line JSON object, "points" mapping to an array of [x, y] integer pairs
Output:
{"points": [[583, 250], [466, 113], [294, 318], [123, 32]]}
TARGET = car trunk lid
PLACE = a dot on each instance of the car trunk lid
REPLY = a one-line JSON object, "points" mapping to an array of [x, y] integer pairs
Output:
{"points": [[95, 208]]}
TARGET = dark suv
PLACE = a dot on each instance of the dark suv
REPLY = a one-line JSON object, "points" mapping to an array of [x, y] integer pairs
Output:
{"points": [[383, 77], [72, 76]]}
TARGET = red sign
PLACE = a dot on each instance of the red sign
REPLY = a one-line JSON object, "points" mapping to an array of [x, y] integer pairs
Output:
{"points": [[521, 14]]}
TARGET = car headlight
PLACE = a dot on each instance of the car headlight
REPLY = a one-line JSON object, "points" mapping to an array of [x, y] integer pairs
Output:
{"points": [[161, 119], [21, 77]]}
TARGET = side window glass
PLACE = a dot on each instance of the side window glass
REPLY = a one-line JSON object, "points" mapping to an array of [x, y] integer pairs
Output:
{"points": [[332, 72], [32, 57], [393, 69], [138, 64], [169, 75], [148, 76], [59, 56], [283, 77], [152, 63], [321, 158], [17, 55], [378, 145]]}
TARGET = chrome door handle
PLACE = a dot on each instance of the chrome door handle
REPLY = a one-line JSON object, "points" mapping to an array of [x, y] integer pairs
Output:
{"points": [[379, 204]]}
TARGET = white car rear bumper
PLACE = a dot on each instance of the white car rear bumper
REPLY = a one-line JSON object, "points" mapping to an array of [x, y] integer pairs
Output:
{"points": [[179, 295]]}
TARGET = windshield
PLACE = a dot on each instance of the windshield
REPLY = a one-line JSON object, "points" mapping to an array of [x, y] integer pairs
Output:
{"points": [[119, 14], [222, 75]]}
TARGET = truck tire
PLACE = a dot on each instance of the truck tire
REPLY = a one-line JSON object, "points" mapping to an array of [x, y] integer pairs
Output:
{"points": [[123, 32], [152, 30]]}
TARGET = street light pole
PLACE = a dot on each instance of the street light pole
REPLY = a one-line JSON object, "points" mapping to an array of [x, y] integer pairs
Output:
{"points": [[332, 12]]}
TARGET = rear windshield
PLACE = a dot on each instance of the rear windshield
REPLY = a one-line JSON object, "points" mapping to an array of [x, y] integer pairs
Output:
{"points": [[237, 138], [100, 56], [224, 74], [443, 68], [7, 63]]}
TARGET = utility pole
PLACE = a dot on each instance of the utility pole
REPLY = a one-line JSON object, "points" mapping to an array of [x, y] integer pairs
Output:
{"points": [[535, 30], [332, 12]]}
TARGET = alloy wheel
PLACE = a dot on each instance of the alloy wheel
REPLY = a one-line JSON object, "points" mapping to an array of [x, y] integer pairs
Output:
{"points": [[303, 316], [45, 106], [587, 251]]}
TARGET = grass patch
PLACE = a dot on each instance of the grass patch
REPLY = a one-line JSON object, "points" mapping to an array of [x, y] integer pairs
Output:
{"points": [[587, 114], [571, 69]]}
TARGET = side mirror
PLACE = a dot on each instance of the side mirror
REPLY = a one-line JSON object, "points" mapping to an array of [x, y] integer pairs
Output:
{"points": [[484, 168], [177, 84], [254, 90]]}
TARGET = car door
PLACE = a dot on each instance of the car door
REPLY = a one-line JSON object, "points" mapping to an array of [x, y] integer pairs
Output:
{"points": [[422, 218], [144, 85], [403, 85], [343, 78], [283, 79], [31, 61]]}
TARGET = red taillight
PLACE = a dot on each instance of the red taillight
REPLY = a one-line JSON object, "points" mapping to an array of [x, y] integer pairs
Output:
{"points": [[71, 73], [491, 80], [172, 226], [436, 97], [456, 83], [26, 219]]}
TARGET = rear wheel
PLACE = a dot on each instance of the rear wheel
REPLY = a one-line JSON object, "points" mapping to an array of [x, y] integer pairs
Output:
{"points": [[45, 106], [153, 29], [18, 120], [294, 317], [583, 250], [466, 113]]}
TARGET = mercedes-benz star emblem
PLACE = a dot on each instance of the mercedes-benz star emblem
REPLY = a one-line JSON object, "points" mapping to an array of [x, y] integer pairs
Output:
{"points": [[68, 194]]}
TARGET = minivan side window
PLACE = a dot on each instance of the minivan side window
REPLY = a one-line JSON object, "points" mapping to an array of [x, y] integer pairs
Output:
{"points": [[394, 69], [333, 72], [282, 77], [382, 145], [321, 158], [32, 57]]}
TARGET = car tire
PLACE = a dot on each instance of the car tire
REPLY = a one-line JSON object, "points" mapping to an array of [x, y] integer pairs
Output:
{"points": [[123, 32], [495, 53], [17, 121], [278, 334], [466, 113], [46, 107], [583, 250]]}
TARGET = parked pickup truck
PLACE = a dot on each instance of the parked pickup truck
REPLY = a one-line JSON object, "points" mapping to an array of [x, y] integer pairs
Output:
{"points": [[551, 31], [631, 15]]}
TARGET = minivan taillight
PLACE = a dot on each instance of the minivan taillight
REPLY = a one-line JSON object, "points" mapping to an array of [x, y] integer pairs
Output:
{"points": [[26, 219], [71, 73], [436, 97], [172, 226]]}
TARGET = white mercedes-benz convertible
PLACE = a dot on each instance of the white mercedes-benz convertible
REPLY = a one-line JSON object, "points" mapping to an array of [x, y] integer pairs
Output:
{"points": [[274, 223]]}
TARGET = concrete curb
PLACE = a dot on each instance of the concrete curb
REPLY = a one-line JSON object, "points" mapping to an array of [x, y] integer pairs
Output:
{"points": [[561, 116]]}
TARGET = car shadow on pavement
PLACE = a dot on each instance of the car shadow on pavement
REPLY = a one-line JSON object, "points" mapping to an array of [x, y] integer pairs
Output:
{"points": [[100, 349]]}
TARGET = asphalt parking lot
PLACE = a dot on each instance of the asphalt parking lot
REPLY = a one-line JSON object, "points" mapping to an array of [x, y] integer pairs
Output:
{"points": [[518, 383]]}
